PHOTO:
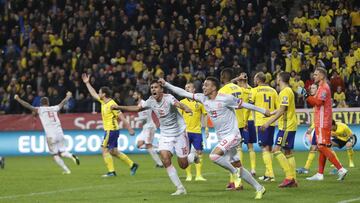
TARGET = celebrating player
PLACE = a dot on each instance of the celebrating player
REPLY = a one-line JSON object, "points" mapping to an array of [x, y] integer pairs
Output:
{"points": [[52, 127], [111, 127], [193, 128], [173, 136], [265, 97], [221, 109], [323, 121], [287, 129], [145, 139]]}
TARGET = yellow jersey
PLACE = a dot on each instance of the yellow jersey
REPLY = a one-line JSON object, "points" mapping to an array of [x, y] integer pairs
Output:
{"points": [[237, 92], [339, 97], [109, 117], [264, 97], [343, 132], [248, 114], [288, 121], [193, 121]]}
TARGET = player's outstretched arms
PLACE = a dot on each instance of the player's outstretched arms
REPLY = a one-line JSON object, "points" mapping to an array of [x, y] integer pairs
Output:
{"points": [[254, 108], [127, 108], [277, 115], [126, 124], [183, 107], [24, 103], [177, 90], [62, 103], [86, 80]]}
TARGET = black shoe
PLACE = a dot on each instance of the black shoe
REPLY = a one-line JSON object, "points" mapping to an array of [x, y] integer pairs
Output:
{"points": [[76, 159], [159, 166], [133, 169]]}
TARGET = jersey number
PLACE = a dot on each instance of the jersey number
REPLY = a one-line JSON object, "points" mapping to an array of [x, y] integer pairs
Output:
{"points": [[51, 116], [267, 100], [213, 114]]}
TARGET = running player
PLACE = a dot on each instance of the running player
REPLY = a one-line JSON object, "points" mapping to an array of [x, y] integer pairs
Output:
{"points": [[111, 127], [193, 128], [323, 121], [146, 137], [265, 97], [52, 127], [287, 124], [173, 137], [221, 109]]}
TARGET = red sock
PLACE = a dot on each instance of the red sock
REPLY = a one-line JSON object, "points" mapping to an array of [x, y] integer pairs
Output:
{"points": [[322, 162], [329, 155]]}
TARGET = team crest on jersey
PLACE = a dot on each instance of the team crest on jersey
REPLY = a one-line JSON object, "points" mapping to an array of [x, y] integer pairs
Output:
{"points": [[196, 105], [285, 100], [323, 95]]}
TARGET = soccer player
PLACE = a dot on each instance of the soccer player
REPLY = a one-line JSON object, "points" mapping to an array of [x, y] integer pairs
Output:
{"points": [[52, 127], [111, 127], [343, 136], [2, 162], [232, 89], [221, 109], [323, 122], [146, 137], [287, 124], [265, 97], [173, 137], [193, 129]]}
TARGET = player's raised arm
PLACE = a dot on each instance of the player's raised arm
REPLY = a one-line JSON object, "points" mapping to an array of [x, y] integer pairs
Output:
{"points": [[24, 103], [86, 80], [62, 103], [177, 90]]}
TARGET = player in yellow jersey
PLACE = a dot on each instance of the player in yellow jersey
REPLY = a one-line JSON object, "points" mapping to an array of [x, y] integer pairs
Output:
{"points": [[266, 97], [193, 128], [287, 124], [111, 128], [230, 88]]}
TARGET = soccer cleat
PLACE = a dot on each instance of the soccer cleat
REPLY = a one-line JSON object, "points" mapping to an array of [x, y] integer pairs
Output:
{"points": [[66, 172], [237, 182], [267, 178], [317, 176], [351, 164], [334, 171], [260, 193], [179, 191], [288, 183], [159, 166], [188, 178], [76, 159], [2, 162], [302, 171], [109, 174], [230, 186], [342, 173], [200, 178], [253, 172], [133, 169]]}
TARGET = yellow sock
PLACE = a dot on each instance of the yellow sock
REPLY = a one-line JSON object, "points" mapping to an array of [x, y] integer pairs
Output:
{"points": [[109, 162], [198, 166], [240, 152], [350, 153], [125, 159], [268, 164], [292, 164], [284, 164], [231, 178], [310, 159], [252, 159], [188, 171]]}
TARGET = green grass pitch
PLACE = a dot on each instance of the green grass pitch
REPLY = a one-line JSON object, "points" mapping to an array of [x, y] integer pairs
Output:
{"points": [[39, 179]]}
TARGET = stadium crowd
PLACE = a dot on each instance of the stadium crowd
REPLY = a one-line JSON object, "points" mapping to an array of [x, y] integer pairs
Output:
{"points": [[46, 45]]}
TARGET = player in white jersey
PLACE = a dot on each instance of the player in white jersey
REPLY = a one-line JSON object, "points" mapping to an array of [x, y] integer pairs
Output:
{"points": [[52, 127], [221, 109], [173, 137], [146, 137]]}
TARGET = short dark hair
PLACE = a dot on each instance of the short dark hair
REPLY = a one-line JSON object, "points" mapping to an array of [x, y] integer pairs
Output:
{"points": [[215, 81], [154, 81], [106, 90], [228, 73], [44, 101], [284, 76], [261, 76]]}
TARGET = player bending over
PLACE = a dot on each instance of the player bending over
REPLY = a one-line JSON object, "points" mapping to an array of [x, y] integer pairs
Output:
{"points": [[52, 127], [221, 109], [173, 137], [146, 137]]}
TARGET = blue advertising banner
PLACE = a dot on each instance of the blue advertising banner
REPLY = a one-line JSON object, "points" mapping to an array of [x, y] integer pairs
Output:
{"points": [[19, 143]]}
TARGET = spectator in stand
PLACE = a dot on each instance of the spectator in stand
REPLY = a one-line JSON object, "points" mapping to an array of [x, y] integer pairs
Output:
{"points": [[340, 98]]}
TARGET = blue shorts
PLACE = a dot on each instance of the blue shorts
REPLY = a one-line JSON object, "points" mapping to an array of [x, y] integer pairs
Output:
{"points": [[110, 139], [266, 138], [249, 135], [313, 140], [196, 140], [285, 139]]}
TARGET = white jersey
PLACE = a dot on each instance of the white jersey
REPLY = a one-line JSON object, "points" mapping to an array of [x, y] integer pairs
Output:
{"points": [[171, 122], [50, 120], [222, 113], [146, 117]]}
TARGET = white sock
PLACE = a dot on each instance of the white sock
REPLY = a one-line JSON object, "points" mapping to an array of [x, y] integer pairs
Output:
{"points": [[155, 156], [174, 176], [246, 175], [61, 163], [66, 154], [224, 162]]}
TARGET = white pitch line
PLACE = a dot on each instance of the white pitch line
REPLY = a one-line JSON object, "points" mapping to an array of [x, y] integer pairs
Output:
{"points": [[350, 200]]}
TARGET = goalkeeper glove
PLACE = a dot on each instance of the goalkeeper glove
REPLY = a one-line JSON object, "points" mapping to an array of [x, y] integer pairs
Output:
{"points": [[302, 91]]}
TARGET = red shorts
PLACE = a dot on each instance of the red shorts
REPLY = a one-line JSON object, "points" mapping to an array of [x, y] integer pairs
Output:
{"points": [[323, 136]]}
